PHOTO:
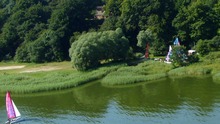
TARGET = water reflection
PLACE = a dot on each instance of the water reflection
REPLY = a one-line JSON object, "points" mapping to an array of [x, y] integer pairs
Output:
{"points": [[170, 101]]}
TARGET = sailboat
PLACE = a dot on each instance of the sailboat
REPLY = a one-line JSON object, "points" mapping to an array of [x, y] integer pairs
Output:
{"points": [[12, 111], [168, 60]]}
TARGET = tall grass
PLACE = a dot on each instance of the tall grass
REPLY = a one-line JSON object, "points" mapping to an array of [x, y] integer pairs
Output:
{"points": [[189, 71], [147, 71], [47, 81], [208, 65], [216, 78]]}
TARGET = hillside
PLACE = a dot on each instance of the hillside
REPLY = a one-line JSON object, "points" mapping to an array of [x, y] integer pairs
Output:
{"points": [[43, 30]]}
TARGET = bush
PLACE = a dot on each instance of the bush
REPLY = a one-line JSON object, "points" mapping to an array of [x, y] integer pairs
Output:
{"points": [[93, 47], [214, 43], [138, 55], [179, 56], [202, 47], [193, 58], [212, 56], [206, 46]]}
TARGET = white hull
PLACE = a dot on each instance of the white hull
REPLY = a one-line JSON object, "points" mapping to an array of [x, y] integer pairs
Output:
{"points": [[14, 120], [167, 62]]}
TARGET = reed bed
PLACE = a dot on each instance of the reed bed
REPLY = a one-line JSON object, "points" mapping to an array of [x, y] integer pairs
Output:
{"points": [[189, 71], [147, 71], [208, 65], [48, 81], [216, 78]]}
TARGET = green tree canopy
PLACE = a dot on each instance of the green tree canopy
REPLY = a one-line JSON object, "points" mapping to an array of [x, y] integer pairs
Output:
{"points": [[92, 48], [198, 21], [25, 24]]}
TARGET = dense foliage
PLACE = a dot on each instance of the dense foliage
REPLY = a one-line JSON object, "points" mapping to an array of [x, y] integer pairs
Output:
{"points": [[39, 30], [92, 48], [179, 56], [206, 46], [43, 30]]}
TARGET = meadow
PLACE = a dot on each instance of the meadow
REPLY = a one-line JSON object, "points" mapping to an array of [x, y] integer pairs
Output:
{"points": [[37, 78]]}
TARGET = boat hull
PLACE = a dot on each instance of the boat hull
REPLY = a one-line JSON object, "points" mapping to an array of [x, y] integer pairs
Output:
{"points": [[14, 120]]}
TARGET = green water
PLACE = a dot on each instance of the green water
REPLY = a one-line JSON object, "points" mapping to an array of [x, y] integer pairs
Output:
{"points": [[170, 101]]}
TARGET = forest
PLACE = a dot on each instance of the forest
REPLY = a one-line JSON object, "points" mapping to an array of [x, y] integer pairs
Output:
{"points": [[51, 30]]}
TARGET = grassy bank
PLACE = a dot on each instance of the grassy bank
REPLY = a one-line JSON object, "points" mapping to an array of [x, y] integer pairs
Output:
{"points": [[208, 65], [190, 71], [216, 78], [57, 76], [146, 71], [18, 82]]}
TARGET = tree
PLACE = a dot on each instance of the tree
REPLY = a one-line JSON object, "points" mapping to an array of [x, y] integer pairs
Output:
{"points": [[93, 47], [24, 23], [217, 11], [195, 21], [145, 37], [112, 8], [133, 16], [9, 41], [44, 49], [19, 23]]}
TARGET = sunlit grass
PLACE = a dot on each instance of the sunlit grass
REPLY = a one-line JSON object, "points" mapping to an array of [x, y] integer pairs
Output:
{"points": [[209, 65], [189, 71], [216, 78], [64, 76], [147, 71], [47, 81], [24, 83]]}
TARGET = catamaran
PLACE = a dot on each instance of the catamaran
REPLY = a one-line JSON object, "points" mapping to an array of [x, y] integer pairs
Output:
{"points": [[12, 111]]}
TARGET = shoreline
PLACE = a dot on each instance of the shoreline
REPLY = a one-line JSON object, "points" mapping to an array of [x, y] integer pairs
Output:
{"points": [[61, 76]]}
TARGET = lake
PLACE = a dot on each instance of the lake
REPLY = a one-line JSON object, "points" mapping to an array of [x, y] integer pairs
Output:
{"points": [[168, 101]]}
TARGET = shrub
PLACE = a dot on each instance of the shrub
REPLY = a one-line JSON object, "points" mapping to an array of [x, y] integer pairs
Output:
{"points": [[212, 56], [193, 58], [93, 47], [214, 43], [202, 47], [179, 56], [206, 46]]}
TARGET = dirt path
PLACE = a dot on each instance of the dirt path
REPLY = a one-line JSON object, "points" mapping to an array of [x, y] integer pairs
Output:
{"points": [[45, 68], [11, 67], [29, 70]]}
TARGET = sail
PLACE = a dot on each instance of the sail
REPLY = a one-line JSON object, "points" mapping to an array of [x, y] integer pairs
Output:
{"points": [[9, 106], [17, 113], [176, 42], [11, 109], [169, 54]]}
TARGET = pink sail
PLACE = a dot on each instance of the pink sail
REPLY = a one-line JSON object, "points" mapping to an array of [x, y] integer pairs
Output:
{"points": [[9, 106]]}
